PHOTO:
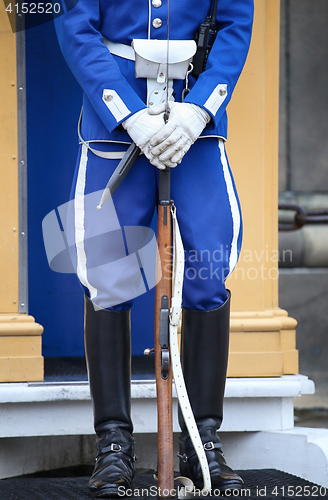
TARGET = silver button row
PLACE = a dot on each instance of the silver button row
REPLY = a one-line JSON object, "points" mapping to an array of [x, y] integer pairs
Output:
{"points": [[157, 22]]}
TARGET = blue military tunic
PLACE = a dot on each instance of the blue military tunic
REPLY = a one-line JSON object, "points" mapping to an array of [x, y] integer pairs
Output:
{"points": [[202, 185]]}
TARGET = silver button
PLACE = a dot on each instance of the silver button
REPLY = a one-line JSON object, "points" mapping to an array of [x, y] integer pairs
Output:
{"points": [[222, 92], [157, 22], [108, 97], [156, 3]]}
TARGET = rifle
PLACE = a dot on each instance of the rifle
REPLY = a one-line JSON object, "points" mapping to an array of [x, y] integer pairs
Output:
{"points": [[163, 292], [163, 368]]}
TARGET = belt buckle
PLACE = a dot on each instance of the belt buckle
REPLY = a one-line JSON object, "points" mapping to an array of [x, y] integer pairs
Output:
{"points": [[183, 457], [209, 446], [115, 447]]}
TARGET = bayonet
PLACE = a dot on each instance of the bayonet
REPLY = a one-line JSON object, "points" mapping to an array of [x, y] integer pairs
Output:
{"points": [[119, 173]]}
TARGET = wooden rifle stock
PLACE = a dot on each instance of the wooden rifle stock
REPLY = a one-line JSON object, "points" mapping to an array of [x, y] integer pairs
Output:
{"points": [[163, 293], [164, 385]]}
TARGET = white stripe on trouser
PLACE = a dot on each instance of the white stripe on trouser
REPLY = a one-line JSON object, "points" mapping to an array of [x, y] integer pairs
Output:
{"points": [[79, 215], [233, 206]]}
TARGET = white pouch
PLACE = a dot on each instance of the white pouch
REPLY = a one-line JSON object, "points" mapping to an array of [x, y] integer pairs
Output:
{"points": [[151, 58]]}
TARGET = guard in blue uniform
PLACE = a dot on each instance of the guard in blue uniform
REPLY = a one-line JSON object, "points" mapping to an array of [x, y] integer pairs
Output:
{"points": [[121, 104]]}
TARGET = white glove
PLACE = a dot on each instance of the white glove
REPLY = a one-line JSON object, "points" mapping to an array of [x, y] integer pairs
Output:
{"points": [[186, 122], [141, 127]]}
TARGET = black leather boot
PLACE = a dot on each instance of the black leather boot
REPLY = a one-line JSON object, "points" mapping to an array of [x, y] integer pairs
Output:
{"points": [[108, 350], [204, 357]]}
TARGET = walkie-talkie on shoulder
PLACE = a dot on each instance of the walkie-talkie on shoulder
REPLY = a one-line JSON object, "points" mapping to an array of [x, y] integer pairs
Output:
{"points": [[204, 38]]}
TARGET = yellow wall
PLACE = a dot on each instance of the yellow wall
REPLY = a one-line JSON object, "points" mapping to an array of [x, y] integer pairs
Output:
{"points": [[262, 335], [20, 336], [253, 153], [9, 177]]}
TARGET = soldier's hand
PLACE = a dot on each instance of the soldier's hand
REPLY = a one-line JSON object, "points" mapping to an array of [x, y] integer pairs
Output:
{"points": [[186, 122], [141, 127]]}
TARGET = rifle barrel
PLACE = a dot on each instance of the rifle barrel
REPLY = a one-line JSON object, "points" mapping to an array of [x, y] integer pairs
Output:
{"points": [[164, 386]]}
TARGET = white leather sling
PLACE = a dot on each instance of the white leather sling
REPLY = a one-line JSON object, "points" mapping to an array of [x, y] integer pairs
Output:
{"points": [[180, 386]]}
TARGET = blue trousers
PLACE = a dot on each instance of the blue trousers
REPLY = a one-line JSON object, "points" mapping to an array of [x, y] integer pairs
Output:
{"points": [[115, 250]]}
